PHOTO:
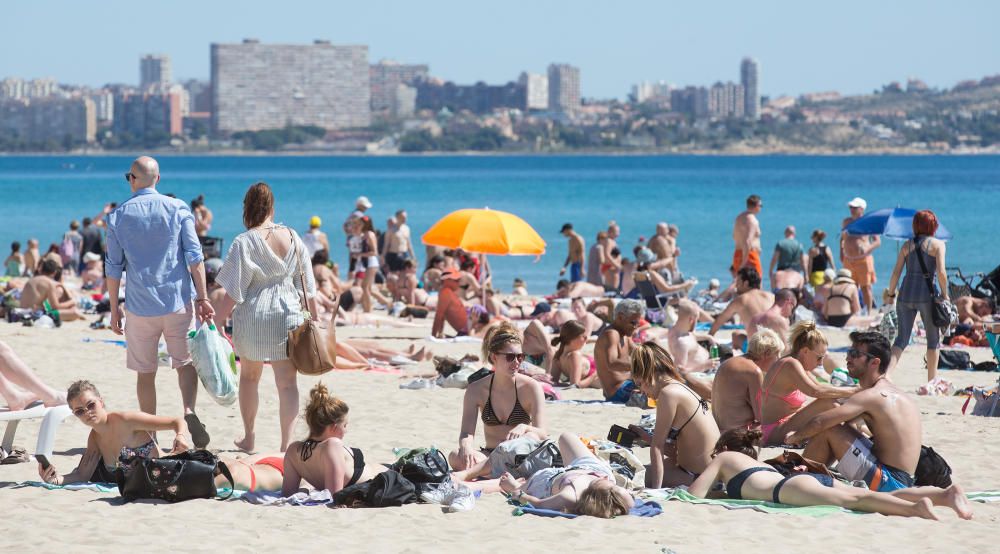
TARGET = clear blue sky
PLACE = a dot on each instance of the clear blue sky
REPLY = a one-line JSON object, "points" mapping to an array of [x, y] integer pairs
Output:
{"points": [[852, 46]]}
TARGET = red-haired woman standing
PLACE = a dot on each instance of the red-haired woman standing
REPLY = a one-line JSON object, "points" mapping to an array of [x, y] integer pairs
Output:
{"points": [[914, 295]]}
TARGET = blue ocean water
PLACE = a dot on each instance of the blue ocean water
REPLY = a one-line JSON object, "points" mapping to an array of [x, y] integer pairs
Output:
{"points": [[41, 194]]}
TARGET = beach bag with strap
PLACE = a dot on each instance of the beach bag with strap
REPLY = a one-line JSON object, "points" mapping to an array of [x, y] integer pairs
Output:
{"points": [[390, 488], [629, 471], [932, 470], [508, 455], [215, 362], [312, 348], [422, 465], [175, 478], [546, 455], [943, 312]]}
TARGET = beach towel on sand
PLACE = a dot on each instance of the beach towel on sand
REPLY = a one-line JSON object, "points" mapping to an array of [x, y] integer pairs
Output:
{"points": [[311, 498], [106, 487], [454, 340], [772, 508]]}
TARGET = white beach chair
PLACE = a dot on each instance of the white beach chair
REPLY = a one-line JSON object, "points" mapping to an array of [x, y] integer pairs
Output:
{"points": [[51, 418]]}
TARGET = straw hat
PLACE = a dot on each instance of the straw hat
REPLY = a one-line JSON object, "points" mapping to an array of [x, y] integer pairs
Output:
{"points": [[844, 276]]}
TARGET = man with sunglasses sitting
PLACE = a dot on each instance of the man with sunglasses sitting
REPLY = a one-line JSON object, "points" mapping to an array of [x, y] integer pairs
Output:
{"points": [[888, 459], [152, 239]]}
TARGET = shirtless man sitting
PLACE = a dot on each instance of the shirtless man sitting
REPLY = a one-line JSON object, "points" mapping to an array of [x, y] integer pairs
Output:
{"points": [[613, 350], [888, 459], [738, 382], [746, 236], [973, 310], [777, 316], [683, 341], [42, 287], [750, 301]]}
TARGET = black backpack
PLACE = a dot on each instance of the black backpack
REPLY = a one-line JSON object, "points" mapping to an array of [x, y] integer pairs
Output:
{"points": [[932, 470], [422, 466], [190, 474], [389, 488]]}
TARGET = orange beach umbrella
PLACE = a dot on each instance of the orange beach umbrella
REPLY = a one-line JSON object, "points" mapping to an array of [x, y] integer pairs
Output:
{"points": [[485, 231]]}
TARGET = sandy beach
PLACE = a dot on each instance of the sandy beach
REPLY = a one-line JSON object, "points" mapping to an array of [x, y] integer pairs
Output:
{"points": [[383, 416]]}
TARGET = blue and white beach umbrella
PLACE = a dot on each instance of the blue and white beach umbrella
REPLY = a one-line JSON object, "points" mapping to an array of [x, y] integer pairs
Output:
{"points": [[894, 223]]}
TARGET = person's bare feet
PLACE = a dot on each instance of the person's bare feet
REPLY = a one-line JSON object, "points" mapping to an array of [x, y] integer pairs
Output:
{"points": [[246, 443], [956, 500], [418, 355], [923, 508], [20, 400], [57, 399]]}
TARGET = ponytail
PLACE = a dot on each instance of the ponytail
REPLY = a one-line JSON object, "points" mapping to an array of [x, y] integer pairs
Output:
{"points": [[569, 331]]}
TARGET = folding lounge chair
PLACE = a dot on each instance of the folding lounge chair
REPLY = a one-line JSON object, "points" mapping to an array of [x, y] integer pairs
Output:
{"points": [[654, 300], [51, 418]]}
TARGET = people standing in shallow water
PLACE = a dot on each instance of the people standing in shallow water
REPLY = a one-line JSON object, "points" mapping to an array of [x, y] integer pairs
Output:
{"points": [[735, 464], [324, 460]]}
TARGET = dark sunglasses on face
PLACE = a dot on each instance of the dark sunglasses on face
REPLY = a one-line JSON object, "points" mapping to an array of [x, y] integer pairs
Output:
{"points": [[854, 353], [129, 176], [511, 358], [88, 408]]}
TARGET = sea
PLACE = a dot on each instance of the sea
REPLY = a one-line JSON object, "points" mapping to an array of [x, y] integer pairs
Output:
{"points": [[40, 195]]}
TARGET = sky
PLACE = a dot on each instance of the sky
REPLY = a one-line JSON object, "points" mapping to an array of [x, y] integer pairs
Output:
{"points": [[850, 46]]}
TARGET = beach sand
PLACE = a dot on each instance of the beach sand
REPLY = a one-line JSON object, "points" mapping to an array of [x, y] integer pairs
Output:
{"points": [[384, 416]]}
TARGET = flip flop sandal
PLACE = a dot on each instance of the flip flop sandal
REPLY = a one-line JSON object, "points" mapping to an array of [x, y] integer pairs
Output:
{"points": [[199, 436], [17, 455]]}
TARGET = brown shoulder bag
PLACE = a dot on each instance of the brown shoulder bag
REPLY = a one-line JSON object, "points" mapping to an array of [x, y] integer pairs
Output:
{"points": [[312, 348]]}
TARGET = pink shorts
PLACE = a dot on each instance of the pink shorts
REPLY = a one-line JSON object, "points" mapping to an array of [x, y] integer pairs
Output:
{"points": [[142, 337]]}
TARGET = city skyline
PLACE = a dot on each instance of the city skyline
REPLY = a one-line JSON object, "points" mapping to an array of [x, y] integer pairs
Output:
{"points": [[683, 47]]}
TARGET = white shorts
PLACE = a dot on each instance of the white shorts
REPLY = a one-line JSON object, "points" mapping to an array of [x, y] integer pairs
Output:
{"points": [[372, 262], [858, 461]]}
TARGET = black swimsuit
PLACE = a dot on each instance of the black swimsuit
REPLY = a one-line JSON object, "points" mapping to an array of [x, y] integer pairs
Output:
{"points": [[734, 488], [676, 431], [306, 451], [838, 320], [517, 415]]}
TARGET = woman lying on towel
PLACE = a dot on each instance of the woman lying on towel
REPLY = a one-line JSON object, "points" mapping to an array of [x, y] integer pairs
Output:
{"points": [[118, 438], [736, 465], [510, 404], [586, 486], [323, 459], [685, 431]]}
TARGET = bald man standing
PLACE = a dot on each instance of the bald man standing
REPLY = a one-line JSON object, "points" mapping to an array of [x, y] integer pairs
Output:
{"points": [[152, 239]]}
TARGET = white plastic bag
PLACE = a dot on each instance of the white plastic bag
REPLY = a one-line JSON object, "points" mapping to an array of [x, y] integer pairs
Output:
{"points": [[215, 362]]}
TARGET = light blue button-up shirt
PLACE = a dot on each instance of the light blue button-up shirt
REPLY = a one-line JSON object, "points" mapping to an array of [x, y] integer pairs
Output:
{"points": [[151, 237]]}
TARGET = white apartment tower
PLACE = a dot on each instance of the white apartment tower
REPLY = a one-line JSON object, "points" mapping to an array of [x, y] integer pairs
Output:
{"points": [[564, 88], [154, 69]]}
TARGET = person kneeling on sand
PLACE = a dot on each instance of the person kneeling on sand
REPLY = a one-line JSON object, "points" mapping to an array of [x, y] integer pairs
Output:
{"points": [[43, 286], [323, 459], [511, 405], [586, 486], [117, 439], [735, 464], [685, 429]]}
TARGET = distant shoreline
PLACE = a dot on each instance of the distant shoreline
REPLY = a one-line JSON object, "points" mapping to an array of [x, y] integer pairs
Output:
{"points": [[479, 154]]}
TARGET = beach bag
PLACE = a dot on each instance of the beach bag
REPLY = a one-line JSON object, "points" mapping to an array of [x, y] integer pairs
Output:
{"points": [[932, 470], [389, 488], [523, 456], [175, 478], [312, 349], [888, 327], [422, 466], [545, 456], [987, 402], [353, 496], [943, 312], [954, 359], [215, 362], [629, 471]]}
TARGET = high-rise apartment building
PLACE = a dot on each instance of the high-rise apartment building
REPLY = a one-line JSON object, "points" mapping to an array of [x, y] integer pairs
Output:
{"points": [[12, 88], [42, 121], [651, 92], [268, 86], [148, 114], [750, 79], [564, 88], [726, 100], [154, 70], [386, 76], [536, 90], [692, 101], [479, 98]]}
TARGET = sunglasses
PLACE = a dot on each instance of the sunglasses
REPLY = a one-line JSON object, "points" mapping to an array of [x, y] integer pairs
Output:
{"points": [[90, 407], [854, 353], [129, 176], [511, 358]]}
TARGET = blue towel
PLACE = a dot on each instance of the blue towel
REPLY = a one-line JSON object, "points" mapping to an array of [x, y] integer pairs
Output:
{"points": [[705, 326]]}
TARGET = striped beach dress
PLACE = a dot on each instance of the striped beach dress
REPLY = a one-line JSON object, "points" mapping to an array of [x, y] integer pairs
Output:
{"points": [[266, 290]]}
